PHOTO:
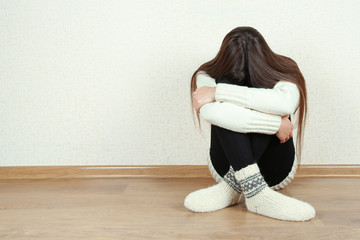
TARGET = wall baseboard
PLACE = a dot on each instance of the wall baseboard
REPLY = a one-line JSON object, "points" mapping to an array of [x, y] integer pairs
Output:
{"points": [[154, 171]]}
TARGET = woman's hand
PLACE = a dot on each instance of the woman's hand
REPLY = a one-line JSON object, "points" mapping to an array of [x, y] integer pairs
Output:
{"points": [[202, 96], [286, 129]]}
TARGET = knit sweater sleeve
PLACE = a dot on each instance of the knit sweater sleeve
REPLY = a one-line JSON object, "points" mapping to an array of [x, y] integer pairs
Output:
{"points": [[234, 117], [280, 100], [239, 119]]}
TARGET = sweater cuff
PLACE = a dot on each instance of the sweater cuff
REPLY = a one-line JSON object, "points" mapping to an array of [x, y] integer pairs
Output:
{"points": [[267, 122], [231, 93]]}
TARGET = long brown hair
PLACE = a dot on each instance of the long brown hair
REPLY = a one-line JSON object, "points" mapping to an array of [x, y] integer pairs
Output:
{"points": [[244, 55]]}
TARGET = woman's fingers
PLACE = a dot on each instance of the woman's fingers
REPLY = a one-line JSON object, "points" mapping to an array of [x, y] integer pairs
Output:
{"points": [[204, 95], [290, 136], [284, 140], [196, 104]]}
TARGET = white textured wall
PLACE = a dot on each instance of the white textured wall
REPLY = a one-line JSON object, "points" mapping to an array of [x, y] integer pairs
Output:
{"points": [[107, 82]]}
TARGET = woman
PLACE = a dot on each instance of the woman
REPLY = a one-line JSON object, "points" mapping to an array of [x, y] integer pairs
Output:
{"points": [[247, 93]]}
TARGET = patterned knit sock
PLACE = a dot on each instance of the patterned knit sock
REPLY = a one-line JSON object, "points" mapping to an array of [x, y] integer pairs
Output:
{"points": [[224, 194], [263, 200]]}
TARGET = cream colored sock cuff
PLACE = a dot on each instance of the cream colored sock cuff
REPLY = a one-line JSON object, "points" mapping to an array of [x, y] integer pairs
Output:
{"points": [[247, 171]]}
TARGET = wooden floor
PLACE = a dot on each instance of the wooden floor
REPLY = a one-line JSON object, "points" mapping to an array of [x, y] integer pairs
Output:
{"points": [[153, 209]]}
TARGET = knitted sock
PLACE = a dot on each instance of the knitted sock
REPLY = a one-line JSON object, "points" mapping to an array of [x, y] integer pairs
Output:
{"points": [[224, 194], [261, 199]]}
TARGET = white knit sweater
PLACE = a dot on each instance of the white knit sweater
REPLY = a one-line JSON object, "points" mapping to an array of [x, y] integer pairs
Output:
{"points": [[244, 109]]}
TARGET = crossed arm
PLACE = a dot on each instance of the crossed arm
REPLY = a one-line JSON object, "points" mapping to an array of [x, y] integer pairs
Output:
{"points": [[244, 109]]}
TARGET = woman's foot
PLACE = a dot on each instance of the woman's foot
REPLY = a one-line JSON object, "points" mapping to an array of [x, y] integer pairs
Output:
{"points": [[213, 198], [261, 199]]}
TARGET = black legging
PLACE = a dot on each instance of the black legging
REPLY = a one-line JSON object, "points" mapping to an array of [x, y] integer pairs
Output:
{"points": [[229, 148]]}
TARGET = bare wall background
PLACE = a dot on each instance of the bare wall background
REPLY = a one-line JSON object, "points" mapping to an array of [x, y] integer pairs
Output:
{"points": [[107, 82]]}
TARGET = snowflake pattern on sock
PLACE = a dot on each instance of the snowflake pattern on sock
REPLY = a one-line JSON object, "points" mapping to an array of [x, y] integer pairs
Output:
{"points": [[230, 179], [252, 185]]}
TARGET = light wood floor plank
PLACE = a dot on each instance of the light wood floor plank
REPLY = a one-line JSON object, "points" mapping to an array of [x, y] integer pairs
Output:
{"points": [[153, 209]]}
